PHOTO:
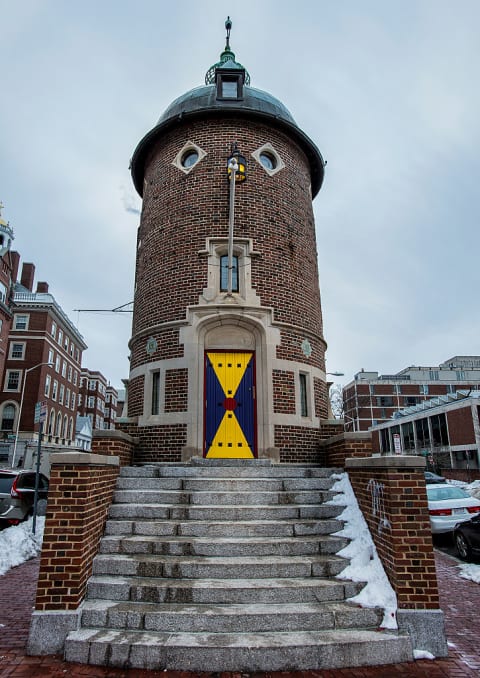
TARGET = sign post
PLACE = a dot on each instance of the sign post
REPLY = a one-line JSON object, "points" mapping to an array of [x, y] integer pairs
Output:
{"points": [[40, 416], [397, 443]]}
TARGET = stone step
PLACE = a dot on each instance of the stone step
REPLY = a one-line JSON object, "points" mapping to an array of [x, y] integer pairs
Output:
{"points": [[220, 591], [216, 498], [228, 513], [145, 565], [222, 546], [236, 618], [260, 651], [211, 471], [127, 483], [204, 528]]}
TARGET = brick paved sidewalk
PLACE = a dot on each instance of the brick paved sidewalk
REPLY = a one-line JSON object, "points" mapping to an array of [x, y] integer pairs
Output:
{"points": [[460, 601]]}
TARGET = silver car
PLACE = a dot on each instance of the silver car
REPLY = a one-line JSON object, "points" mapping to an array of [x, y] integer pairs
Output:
{"points": [[449, 505], [17, 493]]}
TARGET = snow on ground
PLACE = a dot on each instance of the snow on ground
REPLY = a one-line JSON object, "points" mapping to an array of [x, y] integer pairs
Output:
{"points": [[18, 544], [470, 571], [365, 564]]}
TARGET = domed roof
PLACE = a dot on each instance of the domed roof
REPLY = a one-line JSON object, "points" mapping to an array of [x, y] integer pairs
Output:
{"points": [[201, 102]]}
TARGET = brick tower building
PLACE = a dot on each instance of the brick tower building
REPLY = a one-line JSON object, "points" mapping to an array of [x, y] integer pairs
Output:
{"points": [[227, 349]]}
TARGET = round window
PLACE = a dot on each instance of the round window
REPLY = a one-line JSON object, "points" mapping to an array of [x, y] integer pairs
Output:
{"points": [[268, 160], [189, 158]]}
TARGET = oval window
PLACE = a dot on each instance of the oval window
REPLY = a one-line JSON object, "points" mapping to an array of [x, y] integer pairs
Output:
{"points": [[189, 158], [268, 160]]}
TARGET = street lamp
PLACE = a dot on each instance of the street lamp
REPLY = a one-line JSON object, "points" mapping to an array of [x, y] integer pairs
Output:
{"points": [[21, 406], [236, 172]]}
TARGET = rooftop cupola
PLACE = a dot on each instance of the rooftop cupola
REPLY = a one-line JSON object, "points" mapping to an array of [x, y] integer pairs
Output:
{"points": [[6, 234], [227, 62]]}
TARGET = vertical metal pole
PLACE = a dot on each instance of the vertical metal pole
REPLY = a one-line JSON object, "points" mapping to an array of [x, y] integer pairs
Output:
{"points": [[233, 166], [37, 476]]}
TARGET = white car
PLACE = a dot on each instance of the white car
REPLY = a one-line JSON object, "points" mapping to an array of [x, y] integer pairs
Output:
{"points": [[449, 505]]}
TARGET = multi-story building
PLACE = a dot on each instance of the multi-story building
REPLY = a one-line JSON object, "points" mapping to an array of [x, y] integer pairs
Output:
{"points": [[8, 271], [44, 354], [111, 405], [371, 399], [92, 397], [444, 429]]}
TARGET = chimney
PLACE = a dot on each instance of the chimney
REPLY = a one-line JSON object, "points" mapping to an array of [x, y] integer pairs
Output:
{"points": [[15, 265], [28, 274], [42, 287]]}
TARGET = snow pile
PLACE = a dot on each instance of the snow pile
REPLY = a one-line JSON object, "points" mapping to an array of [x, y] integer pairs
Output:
{"points": [[423, 654], [470, 571], [365, 565], [18, 544]]}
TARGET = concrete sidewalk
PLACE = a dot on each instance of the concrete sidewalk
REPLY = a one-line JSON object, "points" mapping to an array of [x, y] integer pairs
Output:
{"points": [[460, 601]]}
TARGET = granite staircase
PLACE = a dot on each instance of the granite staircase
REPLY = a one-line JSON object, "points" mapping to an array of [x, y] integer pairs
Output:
{"points": [[226, 566]]}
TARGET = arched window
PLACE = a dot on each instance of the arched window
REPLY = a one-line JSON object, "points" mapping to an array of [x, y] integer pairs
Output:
{"points": [[58, 427], [8, 417], [65, 426], [51, 422], [70, 430]]}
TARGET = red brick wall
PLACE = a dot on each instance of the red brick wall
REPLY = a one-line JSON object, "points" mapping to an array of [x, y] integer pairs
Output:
{"points": [[340, 447], [157, 443], [283, 392], [298, 445], [113, 446], [394, 504], [460, 426], [78, 501], [176, 390]]}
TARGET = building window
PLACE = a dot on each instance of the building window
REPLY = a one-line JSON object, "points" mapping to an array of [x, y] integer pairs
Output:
{"points": [[408, 437], [80, 399], [72, 348], [411, 401], [57, 364], [54, 389], [50, 355], [91, 402], [67, 398], [53, 331], [48, 382], [12, 381], [60, 337], [423, 434], [21, 322], [73, 400], [58, 425], [61, 395], [460, 376], [303, 395], [424, 389], [92, 385], [64, 369], [69, 377], [439, 430], [434, 375], [17, 351], [51, 423], [156, 392], [385, 401], [8, 417], [65, 345], [3, 293], [224, 273]]}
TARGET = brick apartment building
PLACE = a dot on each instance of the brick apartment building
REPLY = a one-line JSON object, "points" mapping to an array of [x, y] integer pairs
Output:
{"points": [[8, 271], [44, 354], [97, 399], [371, 399]]}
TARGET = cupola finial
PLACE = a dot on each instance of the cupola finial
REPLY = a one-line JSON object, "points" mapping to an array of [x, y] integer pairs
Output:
{"points": [[228, 26]]}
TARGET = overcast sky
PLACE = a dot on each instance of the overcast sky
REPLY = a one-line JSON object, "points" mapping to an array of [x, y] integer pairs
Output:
{"points": [[388, 90]]}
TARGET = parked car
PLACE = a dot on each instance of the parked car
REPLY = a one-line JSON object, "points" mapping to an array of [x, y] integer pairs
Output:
{"points": [[449, 505], [433, 478], [467, 538], [17, 494]]}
